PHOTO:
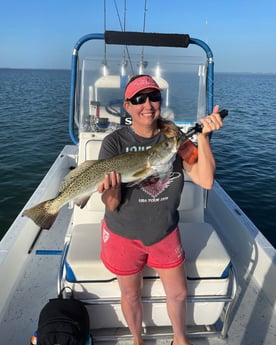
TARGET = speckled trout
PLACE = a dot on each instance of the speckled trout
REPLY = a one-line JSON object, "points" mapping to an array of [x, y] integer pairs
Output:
{"points": [[83, 181]]}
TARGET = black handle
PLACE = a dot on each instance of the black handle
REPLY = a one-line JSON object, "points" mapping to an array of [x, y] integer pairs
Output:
{"points": [[197, 128], [223, 113], [146, 39]]}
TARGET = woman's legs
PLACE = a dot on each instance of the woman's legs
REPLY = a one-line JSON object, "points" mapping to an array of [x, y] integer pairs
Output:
{"points": [[175, 286], [131, 304], [168, 251]]}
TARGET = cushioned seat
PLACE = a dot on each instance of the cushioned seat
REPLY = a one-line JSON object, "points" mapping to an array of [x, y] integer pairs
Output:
{"points": [[207, 265], [206, 257]]}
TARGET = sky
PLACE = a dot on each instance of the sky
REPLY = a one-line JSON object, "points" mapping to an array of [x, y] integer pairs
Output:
{"points": [[42, 33]]}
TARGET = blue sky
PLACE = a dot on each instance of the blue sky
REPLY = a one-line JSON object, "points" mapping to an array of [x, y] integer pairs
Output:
{"points": [[42, 33]]}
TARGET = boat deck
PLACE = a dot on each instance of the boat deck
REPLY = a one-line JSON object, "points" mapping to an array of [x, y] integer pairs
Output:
{"points": [[254, 321]]}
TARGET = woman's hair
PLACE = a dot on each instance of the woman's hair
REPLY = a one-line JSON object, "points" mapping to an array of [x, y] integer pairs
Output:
{"points": [[169, 128]]}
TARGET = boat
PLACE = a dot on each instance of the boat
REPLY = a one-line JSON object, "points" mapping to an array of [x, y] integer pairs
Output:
{"points": [[231, 266]]}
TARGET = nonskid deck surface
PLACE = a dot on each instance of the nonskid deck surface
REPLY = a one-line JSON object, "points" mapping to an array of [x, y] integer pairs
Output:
{"points": [[254, 322], [35, 286]]}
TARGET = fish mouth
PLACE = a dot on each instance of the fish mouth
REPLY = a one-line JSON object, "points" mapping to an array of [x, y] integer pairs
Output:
{"points": [[180, 138], [178, 142]]}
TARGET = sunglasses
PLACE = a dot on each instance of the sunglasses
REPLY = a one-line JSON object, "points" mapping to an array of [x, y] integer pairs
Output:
{"points": [[142, 97]]}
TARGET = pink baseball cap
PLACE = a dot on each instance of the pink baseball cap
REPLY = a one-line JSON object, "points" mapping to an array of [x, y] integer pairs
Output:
{"points": [[139, 84]]}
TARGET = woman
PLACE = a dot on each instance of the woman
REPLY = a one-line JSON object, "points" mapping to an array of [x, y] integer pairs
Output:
{"points": [[140, 225]]}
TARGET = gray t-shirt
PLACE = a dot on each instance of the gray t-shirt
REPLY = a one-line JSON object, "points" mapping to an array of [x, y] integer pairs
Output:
{"points": [[148, 210]]}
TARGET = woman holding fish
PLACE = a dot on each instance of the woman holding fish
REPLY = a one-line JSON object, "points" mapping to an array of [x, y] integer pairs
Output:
{"points": [[140, 225]]}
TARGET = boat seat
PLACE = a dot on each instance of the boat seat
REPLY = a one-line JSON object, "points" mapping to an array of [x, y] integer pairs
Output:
{"points": [[191, 206], [207, 267], [206, 257]]}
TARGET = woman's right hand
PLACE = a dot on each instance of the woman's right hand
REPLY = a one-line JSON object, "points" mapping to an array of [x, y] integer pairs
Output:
{"points": [[110, 188], [111, 180]]}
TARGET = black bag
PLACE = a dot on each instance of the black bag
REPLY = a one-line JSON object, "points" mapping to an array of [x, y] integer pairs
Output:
{"points": [[63, 321]]}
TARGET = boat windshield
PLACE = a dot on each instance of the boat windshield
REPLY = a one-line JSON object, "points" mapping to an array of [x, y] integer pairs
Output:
{"points": [[101, 84]]}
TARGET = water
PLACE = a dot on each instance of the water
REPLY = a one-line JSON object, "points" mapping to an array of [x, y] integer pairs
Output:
{"points": [[34, 106], [33, 129], [245, 148]]}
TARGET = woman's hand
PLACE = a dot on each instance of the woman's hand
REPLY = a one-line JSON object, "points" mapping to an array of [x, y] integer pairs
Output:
{"points": [[110, 188], [212, 122], [110, 181]]}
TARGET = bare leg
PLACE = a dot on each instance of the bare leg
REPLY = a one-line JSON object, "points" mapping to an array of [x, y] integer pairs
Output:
{"points": [[175, 286], [131, 304]]}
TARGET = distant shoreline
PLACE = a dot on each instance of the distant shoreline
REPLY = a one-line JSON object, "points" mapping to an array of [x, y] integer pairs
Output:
{"points": [[69, 69]]}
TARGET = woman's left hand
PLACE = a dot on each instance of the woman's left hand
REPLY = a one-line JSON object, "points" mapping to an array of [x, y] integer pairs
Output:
{"points": [[212, 122]]}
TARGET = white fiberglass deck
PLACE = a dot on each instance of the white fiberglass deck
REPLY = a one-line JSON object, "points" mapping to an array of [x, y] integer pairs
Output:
{"points": [[254, 320]]}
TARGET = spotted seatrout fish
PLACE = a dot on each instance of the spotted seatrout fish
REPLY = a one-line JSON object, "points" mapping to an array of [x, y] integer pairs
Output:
{"points": [[83, 181]]}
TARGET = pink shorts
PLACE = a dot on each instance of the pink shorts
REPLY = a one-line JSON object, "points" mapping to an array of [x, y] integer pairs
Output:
{"points": [[123, 256]]}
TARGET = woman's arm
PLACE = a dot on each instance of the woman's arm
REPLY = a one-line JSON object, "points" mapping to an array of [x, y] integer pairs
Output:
{"points": [[202, 172]]}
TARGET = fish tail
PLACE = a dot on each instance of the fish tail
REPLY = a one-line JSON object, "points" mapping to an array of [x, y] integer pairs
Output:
{"points": [[43, 214]]}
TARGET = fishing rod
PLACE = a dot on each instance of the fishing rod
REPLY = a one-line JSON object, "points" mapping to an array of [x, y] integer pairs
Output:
{"points": [[188, 151], [197, 128]]}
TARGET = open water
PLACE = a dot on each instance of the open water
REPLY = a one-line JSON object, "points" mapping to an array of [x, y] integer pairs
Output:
{"points": [[34, 106]]}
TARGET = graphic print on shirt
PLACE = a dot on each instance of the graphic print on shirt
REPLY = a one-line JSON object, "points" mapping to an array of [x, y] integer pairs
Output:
{"points": [[155, 185]]}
